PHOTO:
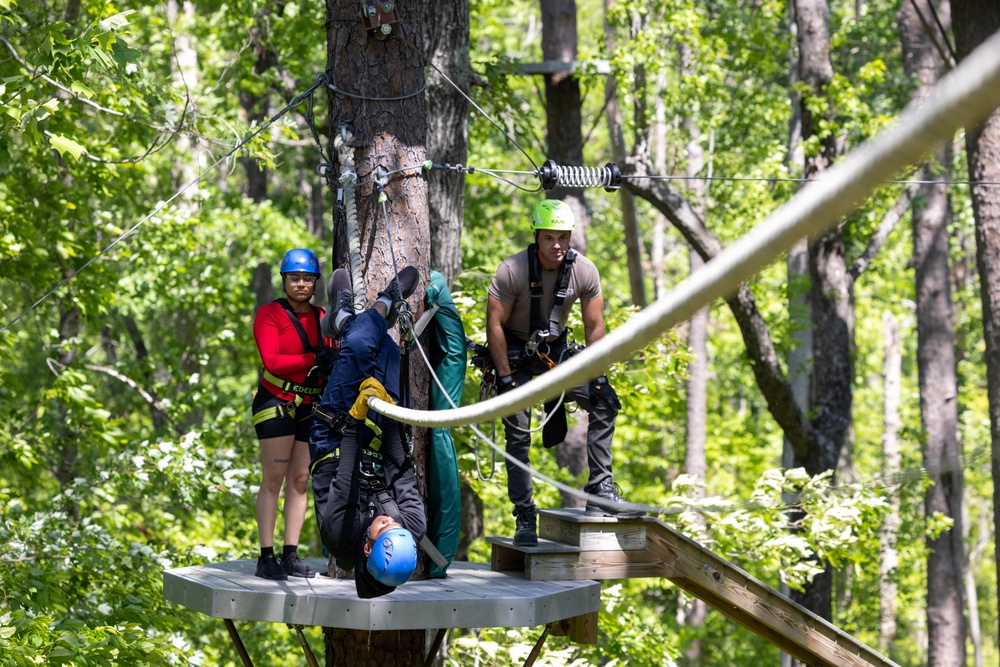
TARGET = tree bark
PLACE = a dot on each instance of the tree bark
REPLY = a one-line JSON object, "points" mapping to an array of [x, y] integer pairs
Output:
{"points": [[974, 21], [892, 365], [936, 357], [446, 40], [630, 225], [563, 106], [386, 135]]}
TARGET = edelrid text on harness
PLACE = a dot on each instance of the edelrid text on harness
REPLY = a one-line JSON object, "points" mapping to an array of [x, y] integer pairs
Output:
{"points": [[300, 390]]}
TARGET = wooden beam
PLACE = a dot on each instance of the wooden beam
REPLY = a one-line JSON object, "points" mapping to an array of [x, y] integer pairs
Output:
{"points": [[558, 66], [607, 548], [759, 608], [580, 629]]}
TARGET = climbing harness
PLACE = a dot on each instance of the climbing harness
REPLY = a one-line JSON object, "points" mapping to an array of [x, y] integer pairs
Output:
{"points": [[300, 390]]}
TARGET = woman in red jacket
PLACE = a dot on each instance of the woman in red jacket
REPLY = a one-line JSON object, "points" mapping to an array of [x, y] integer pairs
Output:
{"points": [[296, 361]]}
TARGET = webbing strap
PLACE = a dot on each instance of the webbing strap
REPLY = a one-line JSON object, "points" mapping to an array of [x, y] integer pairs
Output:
{"points": [[288, 385], [278, 411], [552, 328], [303, 336]]}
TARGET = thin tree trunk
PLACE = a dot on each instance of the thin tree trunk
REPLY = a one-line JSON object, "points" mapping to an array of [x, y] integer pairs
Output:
{"points": [[974, 21], [565, 141], [257, 108], [630, 224], [891, 387], [936, 357], [695, 463]]}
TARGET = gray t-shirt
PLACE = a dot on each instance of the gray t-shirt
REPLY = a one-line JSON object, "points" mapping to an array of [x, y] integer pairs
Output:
{"points": [[510, 285]]}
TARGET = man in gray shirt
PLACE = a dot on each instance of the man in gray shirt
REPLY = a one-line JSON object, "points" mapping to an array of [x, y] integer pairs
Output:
{"points": [[530, 298]]}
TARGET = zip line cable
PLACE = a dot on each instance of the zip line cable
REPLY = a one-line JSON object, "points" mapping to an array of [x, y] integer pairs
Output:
{"points": [[964, 96]]}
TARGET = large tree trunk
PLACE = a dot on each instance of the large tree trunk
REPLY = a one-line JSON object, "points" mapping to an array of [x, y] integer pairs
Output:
{"points": [[563, 106], [446, 41], [800, 349], [974, 21], [936, 357], [385, 136]]}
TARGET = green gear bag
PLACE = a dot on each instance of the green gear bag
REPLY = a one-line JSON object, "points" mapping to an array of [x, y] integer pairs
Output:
{"points": [[448, 358]]}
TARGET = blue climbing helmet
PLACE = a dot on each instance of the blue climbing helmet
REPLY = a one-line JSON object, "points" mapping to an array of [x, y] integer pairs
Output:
{"points": [[300, 260], [394, 557]]}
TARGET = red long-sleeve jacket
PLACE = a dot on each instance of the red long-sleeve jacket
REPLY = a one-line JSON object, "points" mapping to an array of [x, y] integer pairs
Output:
{"points": [[280, 346]]}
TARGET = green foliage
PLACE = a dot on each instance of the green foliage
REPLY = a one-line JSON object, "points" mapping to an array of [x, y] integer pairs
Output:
{"points": [[102, 485]]}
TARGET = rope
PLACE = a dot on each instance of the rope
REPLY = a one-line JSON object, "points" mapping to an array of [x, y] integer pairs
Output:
{"points": [[964, 96], [348, 181]]}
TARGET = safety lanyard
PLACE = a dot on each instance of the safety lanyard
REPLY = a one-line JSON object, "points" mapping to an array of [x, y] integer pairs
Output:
{"points": [[306, 343], [561, 290]]}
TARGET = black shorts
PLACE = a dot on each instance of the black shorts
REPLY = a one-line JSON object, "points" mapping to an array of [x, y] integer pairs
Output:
{"points": [[300, 425]]}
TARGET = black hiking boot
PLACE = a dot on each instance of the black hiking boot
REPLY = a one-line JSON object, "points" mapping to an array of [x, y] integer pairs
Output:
{"points": [[399, 290], [526, 531], [341, 298], [606, 500], [296, 567], [268, 567]]}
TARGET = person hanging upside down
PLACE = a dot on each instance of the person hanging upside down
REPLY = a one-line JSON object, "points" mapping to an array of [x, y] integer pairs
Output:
{"points": [[369, 510], [296, 360]]}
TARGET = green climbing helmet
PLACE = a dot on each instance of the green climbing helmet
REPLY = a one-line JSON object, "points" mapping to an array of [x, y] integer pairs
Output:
{"points": [[553, 214]]}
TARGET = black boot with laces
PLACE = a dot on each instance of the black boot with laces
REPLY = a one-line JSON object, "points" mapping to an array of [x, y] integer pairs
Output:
{"points": [[606, 500], [526, 531], [341, 298]]}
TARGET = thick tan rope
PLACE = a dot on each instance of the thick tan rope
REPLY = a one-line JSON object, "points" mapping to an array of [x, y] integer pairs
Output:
{"points": [[963, 97]]}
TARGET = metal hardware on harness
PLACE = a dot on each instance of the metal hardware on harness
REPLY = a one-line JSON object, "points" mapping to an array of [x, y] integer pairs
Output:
{"points": [[378, 17], [536, 339]]}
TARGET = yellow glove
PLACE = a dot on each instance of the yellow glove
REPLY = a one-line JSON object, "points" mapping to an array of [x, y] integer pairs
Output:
{"points": [[369, 388]]}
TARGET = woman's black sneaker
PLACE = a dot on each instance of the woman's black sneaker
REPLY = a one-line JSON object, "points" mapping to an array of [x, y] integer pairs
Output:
{"points": [[296, 567], [268, 567]]}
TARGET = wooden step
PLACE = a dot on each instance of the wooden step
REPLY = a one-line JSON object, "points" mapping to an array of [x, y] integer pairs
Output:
{"points": [[573, 546], [592, 533]]}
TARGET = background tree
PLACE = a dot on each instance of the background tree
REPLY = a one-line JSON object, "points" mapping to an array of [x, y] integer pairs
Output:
{"points": [[974, 21]]}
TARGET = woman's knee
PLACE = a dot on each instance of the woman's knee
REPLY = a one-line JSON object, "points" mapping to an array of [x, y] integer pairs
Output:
{"points": [[299, 481], [271, 483]]}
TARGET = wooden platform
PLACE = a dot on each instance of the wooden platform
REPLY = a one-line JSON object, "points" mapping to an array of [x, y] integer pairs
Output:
{"points": [[471, 596]]}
